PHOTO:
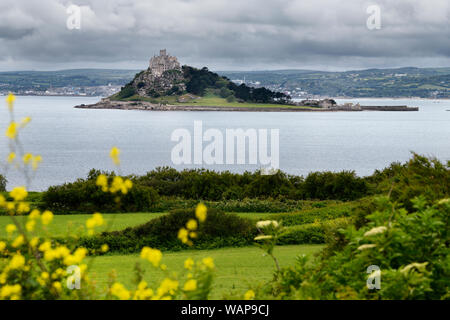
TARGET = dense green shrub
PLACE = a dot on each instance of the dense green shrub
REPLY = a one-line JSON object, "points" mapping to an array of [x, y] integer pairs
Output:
{"points": [[344, 185], [411, 248], [219, 230], [423, 176], [3, 182], [211, 185], [312, 233], [311, 215], [85, 196]]}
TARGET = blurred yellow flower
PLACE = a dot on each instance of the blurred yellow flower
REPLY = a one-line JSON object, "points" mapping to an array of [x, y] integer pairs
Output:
{"points": [[114, 154], [190, 285], [249, 295], [11, 157], [208, 262], [19, 193], [118, 290], [188, 264], [10, 228], [10, 101], [46, 217], [11, 131], [200, 212], [154, 256], [17, 261], [192, 224]]}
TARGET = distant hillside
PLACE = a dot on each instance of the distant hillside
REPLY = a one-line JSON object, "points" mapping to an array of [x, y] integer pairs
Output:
{"points": [[401, 82], [42, 80]]}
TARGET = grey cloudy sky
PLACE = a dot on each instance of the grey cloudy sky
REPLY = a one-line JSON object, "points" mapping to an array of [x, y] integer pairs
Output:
{"points": [[225, 34]]}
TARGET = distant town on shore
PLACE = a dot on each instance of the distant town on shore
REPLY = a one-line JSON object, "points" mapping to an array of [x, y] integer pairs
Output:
{"points": [[410, 82]]}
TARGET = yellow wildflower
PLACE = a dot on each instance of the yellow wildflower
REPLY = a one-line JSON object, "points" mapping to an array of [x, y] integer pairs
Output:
{"points": [[45, 246], [57, 286], [119, 291], [192, 224], [30, 225], [19, 193], [10, 101], [34, 214], [25, 121], [17, 261], [12, 291], [208, 262], [23, 208], [105, 248], [167, 286], [18, 241], [200, 212], [11, 132], [154, 256], [183, 235], [10, 228], [190, 285], [35, 162], [114, 154], [249, 295], [2, 246], [102, 181], [27, 158], [34, 242], [47, 217], [11, 157], [188, 264]]}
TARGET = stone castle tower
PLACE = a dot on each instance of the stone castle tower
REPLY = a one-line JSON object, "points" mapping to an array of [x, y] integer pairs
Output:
{"points": [[163, 62]]}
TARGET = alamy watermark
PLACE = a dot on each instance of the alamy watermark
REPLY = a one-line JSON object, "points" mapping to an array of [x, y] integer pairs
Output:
{"points": [[74, 277], [74, 19], [214, 147], [374, 278], [374, 20]]}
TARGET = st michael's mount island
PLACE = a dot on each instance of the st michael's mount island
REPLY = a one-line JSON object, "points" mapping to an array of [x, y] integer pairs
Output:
{"points": [[167, 86]]}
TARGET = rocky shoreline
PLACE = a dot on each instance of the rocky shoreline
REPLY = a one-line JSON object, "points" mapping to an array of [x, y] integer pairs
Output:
{"points": [[147, 106]]}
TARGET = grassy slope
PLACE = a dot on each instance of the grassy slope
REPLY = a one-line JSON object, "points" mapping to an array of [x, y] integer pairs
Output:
{"points": [[62, 223], [209, 100], [237, 268]]}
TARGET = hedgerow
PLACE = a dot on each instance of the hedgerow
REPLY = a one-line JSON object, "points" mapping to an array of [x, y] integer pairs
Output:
{"points": [[220, 230]]}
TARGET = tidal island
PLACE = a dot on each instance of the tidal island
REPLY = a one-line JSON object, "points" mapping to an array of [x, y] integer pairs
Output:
{"points": [[167, 86]]}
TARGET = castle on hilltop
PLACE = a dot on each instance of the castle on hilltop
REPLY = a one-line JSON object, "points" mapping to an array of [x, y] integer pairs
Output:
{"points": [[163, 62]]}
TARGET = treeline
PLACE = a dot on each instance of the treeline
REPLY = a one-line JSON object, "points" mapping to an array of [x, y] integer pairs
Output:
{"points": [[199, 80], [419, 176], [211, 185]]}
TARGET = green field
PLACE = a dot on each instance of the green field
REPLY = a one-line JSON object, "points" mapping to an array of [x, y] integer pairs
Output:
{"points": [[237, 269], [62, 224]]}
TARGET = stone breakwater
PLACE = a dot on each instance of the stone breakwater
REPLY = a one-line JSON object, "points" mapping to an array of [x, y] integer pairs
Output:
{"points": [[147, 106]]}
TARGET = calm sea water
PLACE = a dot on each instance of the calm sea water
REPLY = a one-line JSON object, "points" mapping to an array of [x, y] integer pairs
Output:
{"points": [[72, 141]]}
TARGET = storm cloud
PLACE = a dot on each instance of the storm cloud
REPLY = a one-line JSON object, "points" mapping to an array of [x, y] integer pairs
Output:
{"points": [[225, 34]]}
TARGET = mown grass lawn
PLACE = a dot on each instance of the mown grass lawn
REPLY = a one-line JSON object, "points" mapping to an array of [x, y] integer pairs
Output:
{"points": [[237, 269], [61, 224]]}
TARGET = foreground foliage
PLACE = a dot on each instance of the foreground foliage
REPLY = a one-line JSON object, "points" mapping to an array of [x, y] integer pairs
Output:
{"points": [[410, 248]]}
